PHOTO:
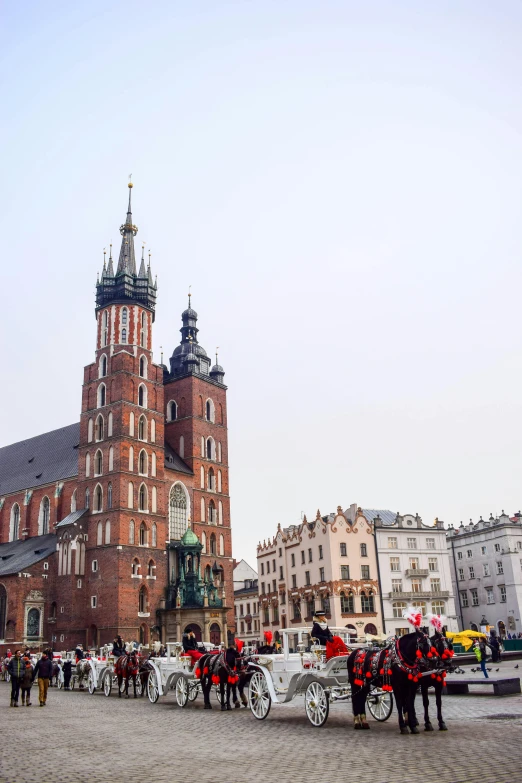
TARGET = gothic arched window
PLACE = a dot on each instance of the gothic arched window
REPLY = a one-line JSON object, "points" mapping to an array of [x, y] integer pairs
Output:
{"points": [[109, 495], [87, 498], [45, 509], [142, 396], [98, 463], [142, 499], [213, 544], [131, 532], [98, 499], [99, 428], [142, 601], [143, 534], [172, 412], [15, 522], [142, 428], [212, 516], [101, 395], [142, 462], [124, 336], [143, 367], [178, 511]]}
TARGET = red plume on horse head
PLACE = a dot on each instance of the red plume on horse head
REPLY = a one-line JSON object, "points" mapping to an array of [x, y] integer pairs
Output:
{"points": [[268, 637], [413, 616], [436, 620], [239, 645]]}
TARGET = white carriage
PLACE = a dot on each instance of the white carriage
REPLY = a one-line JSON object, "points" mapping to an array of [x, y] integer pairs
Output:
{"points": [[279, 678], [174, 672]]}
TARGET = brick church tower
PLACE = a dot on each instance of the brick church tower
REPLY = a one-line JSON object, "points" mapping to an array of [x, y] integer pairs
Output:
{"points": [[150, 515]]}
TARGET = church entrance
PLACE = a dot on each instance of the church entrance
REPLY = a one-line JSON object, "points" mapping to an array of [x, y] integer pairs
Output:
{"points": [[215, 634]]}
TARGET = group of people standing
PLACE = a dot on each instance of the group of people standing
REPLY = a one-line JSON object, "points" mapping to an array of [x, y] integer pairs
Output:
{"points": [[23, 674]]}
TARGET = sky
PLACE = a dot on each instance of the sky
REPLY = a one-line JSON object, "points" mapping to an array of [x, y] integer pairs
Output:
{"points": [[341, 185]]}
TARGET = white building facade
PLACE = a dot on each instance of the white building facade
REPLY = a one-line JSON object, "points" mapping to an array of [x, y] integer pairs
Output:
{"points": [[414, 569], [246, 604], [486, 563]]}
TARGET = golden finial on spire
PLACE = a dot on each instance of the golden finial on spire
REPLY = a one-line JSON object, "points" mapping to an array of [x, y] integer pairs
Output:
{"points": [[189, 295], [130, 181]]}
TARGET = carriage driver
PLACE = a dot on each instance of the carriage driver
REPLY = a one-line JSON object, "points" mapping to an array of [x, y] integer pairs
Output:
{"points": [[190, 645], [320, 630]]}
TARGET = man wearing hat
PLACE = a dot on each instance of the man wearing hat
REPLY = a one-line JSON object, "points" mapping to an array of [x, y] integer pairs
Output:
{"points": [[320, 630]]}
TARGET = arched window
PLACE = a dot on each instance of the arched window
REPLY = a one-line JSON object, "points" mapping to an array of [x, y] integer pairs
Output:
{"points": [[204, 542], [143, 330], [103, 366], [420, 605], [130, 495], [211, 449], [33, 623], [181, 446], [131, 424], [202, 477], [135, 567], [153, 464], [142, 601], [172, 411], [142, 395], [89, 431], [143, 498], [219, 482], [43, 521], [98, 498], [154, 535], [154, 500], [87, 498], [124, 336], [142, 462], [213, 544], [131, 458], [211, 480], [15, 522], [367, 602], [398, 608], [124, 316], [131, 532], [101, 395], [142, 428], [208, 574], [212, 516], [347, 603], [221, 544], [111, 458], [108, 532], [99, 534], [143, 367], [220, 513], [109, 495], [87, 465], [153, 431], [143, 534], [73, 501], [178, 511], [98, 463], [109, 426], [99, 427], [219, 452], [151, 568], [105, 335], [210, 410], [203, 511]]}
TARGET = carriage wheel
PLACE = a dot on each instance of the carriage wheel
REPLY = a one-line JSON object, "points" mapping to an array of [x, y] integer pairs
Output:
{"points": [[193, 690], [107, 684], [317, 704], [380, 704], [90, 682], [258, 696], [139, 685], [217, 690], [152, 687], [181, 691]]}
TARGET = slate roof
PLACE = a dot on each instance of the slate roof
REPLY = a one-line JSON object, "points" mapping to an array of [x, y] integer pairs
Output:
{"points": [[17, 556], [387, 517], [174, 462], [41, 460], [71, 518]]}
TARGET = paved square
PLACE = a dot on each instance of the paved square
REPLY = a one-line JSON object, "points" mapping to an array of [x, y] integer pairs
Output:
{"points": [[78, 738]]}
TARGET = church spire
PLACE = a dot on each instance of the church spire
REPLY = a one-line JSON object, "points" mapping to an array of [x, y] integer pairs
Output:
{"points": [[127, 260]]}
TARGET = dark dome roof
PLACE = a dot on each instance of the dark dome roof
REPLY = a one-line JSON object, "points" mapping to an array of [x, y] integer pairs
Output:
{"points": [[190, 358], [217, 368], [189, 313]]}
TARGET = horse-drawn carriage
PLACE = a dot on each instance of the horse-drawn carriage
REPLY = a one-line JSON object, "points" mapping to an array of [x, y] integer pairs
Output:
{"points": [[279, 678], [174, 672]]}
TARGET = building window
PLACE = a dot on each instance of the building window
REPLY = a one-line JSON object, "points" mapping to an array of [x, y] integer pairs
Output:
{"points": [[296, 610], [281, 577], [500, 567], [471, 570], [364, 552], [396, 585], [210, 411], [464, 598], [438, 607], [309, 555], [98, 463], [142, 601], [273, 565], [109, 495], [321, 574], [211, 449], [367, 604], [483, 550], [142, 462], [262, 588], [94, 565], [490, 596], [345, 572], [430, 543], [266, 615], [99, 427], [461, 574], [310, 607], [395, 564], [143, 500], [474, 598], [142, 396], [94, 602], [416, 585], [89, 431], [262, 569], [101, 395], [325, 604], [212, 515], [497, 547], [292, 560], [108, 532], [87, 498], [268, 566], [172, 411], [131, 532], [414, 563], [143, 534], [392, 542], [459, 555], [143, 367], [435, 585], [469, 553], [412, 543], [294, 580], [307, 577], [98, 498], [143, 330], [347, 603], [365, 572], [15, 522], [433, 564], [320, 552], [342, 549], [302, 557], [398, 608], [485, 568], [502, 589], [45, 508]]}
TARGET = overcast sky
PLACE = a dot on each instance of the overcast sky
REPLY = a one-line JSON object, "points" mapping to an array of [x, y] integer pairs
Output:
{"points": [[340, 183]]}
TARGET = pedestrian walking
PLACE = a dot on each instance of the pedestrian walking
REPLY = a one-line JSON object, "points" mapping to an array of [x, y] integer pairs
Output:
{"points": [[44, 671], [16, 669], [479, 648], [67, 674], [27, 682]]}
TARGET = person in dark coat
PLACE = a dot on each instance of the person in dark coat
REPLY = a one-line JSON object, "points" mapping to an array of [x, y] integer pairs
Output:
{"points": [[190, 645], [495, 647], [320, 630], [79, 653], [67, 674], [16, 668], [27, 682], [118, 647], [44, 671]]}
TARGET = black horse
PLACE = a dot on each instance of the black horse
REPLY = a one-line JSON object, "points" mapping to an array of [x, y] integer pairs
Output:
{"points": [[226, 670], [440, 664], [397, 667]]}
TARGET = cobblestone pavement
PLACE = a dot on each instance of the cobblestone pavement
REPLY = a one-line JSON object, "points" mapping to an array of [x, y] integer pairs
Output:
{"points": [[78, 738]]}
